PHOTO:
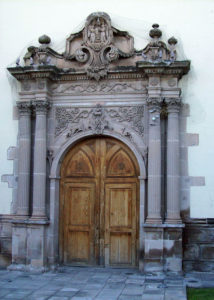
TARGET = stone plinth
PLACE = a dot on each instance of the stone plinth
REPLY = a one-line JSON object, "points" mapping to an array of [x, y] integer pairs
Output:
{"points": [[163, 248]]}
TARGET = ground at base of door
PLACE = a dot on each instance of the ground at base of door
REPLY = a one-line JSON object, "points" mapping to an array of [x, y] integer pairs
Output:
{"points": [[76, 283]]}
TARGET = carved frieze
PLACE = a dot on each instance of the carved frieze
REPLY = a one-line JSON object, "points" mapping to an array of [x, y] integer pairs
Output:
{"points": [[100, 88], [133, 115], [98, 118]]}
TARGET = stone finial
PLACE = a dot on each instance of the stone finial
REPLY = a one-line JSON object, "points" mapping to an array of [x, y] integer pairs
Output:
{"points": [[172, 41], [44, 40], [155, 32]]}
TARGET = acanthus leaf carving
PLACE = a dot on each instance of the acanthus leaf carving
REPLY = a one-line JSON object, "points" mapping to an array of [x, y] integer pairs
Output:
{"points": [[133, 115], [24, 107], [173, 104], [65, 116], [98, 118]]}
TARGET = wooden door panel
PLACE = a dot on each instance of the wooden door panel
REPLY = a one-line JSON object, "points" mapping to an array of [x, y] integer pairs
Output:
{"points": [[120, 222], [98, 204], [120, 165], [79, 219], [80, 165], [120, 249], [78, 246], [120, 207], [80, 202]]}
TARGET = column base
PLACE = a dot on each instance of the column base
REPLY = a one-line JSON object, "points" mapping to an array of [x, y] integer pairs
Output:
{"points": [[153, 220], [29, 244], [173, 221], [163, 248], [38, 218]]}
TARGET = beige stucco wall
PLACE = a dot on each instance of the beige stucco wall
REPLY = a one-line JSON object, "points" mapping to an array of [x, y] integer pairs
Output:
{"points": [[192, 22]]}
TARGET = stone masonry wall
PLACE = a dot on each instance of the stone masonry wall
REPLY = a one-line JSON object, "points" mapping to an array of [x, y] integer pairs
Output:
{"points": [[198, 247], [5, 241]]}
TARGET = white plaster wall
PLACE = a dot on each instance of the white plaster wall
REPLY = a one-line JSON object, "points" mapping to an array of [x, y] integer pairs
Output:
{"points": [[192, 22]]}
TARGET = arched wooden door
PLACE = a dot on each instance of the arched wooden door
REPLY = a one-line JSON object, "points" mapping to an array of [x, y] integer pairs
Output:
{"points": [[99, 207]]}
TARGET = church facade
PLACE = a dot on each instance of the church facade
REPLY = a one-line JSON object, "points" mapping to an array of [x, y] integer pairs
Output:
{"points": [[99, 154]]}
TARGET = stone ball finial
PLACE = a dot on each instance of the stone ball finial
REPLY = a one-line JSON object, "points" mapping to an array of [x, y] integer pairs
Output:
{"points": [[172, 41], [155, 32], [44, 39]]}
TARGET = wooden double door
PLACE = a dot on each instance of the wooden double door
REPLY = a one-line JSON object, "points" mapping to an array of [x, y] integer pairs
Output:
{"points": [[99, 204]]}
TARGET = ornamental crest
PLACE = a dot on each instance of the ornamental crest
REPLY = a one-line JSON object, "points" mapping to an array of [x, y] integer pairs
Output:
{"points": [[98, 44], [98, 32]]}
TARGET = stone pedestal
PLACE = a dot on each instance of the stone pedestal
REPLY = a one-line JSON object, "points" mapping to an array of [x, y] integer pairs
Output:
{"points": [[29, 245], [163, 248]]}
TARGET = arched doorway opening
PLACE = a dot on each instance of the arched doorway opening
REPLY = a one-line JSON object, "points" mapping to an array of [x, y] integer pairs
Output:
{"points": [[99, 204]]}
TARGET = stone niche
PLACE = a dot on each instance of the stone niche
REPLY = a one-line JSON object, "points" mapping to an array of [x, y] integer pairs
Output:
{"points": [[100, 86]]}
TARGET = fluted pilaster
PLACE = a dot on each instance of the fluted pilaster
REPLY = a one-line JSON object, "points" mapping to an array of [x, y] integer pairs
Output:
{"points": [[40, 150], [23, 193], [154, 162], [173, 201]]}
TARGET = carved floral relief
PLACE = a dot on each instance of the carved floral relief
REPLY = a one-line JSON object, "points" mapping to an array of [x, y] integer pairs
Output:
{"points": [[98, 118]]}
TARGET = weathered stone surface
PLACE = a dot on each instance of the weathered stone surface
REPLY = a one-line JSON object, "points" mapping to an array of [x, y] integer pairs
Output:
{"points": [[207, 251], [191, 251]]}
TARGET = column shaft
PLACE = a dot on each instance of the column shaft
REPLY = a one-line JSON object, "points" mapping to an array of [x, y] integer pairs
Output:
{"points": [[24, 144], [39, 172], [154, 163], [173, 201]]}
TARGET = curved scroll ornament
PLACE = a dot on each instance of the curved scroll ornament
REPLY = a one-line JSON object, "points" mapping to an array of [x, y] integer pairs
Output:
{"points": [[97, 49], [82, 55]]}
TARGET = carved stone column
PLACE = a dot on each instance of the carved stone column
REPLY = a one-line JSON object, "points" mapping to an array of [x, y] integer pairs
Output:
{"points": [[24, 158], [173, 205], [40, 151], [154, 162]]}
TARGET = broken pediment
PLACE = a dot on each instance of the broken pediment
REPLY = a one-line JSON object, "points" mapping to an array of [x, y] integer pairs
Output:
{"points": [[100, 49], [98, 44]]}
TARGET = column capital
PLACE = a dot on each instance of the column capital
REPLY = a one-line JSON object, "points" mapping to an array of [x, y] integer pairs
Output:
{"points": [[173, 104], [154, 102], [24, 107], [41, 106]]}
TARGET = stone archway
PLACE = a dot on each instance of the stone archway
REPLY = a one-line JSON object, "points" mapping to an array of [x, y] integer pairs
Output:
{"points": [[99, 204], [55, 176]]}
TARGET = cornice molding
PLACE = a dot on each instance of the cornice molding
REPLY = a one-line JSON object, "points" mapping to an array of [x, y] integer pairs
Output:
{"points": [[140, 71]]}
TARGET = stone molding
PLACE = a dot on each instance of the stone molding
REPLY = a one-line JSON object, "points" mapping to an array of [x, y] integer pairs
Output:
{"points": [[136, 71], [110, 87]]}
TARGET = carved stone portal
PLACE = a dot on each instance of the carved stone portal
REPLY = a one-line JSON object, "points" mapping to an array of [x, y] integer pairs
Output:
{"points": [[60, 105]]}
